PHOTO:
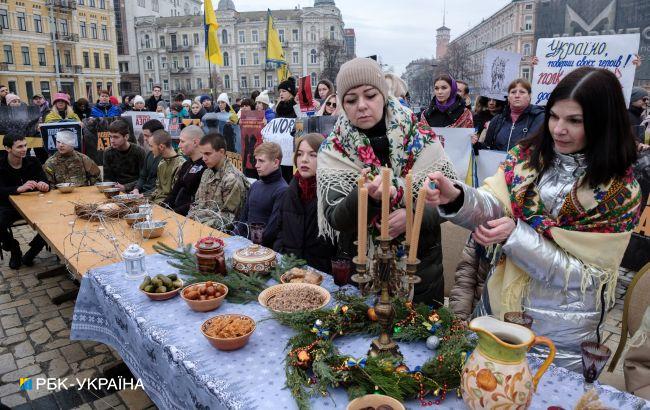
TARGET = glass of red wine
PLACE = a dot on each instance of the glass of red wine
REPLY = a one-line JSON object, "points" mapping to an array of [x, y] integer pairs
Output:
{"points": [[594, 358], [341, 271], [257, 232]]}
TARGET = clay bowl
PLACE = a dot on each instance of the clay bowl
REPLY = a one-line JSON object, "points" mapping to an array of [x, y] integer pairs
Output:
{"points": [[133, 218], [101, 186], [150, 229], [111, 192], [162, 296], [374, 400], [65, 187], [205, 305], [228, 343]]}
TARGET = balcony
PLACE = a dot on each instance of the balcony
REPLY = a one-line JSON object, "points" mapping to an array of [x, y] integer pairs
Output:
{"points": [[4, 66], [178, 49], [62, 5], [65, 37], [77, 69], [66, 69], [180, 70]]}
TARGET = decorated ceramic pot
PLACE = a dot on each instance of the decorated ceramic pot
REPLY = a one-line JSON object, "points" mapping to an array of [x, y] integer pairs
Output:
{"points": [[254, 259], [497, 375], [209, 256]]}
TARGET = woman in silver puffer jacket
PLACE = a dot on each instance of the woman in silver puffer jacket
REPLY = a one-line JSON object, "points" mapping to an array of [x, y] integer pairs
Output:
{"points": [[558, 214]]}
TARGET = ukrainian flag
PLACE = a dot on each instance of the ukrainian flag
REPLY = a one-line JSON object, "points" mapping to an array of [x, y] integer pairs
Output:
{"points": [[274, 51], [212, 47]]}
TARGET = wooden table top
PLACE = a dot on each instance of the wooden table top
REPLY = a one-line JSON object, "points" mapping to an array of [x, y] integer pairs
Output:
{"points": [[85, 245]]}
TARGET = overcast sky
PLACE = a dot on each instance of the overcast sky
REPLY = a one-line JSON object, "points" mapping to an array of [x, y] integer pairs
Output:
{"points": [[399, 31]]}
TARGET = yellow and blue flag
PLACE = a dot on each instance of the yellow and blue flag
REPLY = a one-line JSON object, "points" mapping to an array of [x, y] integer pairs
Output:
{"points": [[274, 51], [212, 47]]}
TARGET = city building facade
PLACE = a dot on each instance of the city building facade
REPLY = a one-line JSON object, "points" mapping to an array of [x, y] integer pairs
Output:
{"points": [[126, 11], [171, 49], [350, 39], [58, 45]]}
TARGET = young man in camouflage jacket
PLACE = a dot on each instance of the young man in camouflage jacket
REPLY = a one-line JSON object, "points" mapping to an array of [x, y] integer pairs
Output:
{"points": [[223, 189], [68, 165]]}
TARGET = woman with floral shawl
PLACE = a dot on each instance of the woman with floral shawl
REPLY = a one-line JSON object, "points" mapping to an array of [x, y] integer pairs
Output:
{"points": [[375, 130], [558, 214]]}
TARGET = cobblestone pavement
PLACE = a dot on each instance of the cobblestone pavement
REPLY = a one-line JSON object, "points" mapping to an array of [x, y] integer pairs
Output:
{"points": [[34, 340]]}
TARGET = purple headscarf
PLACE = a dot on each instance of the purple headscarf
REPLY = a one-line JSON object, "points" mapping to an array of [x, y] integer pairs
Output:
{"points": [[452, 96]]}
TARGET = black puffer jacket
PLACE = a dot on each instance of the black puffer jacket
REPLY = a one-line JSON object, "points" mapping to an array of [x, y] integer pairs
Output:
{"points": [[503, 135], [437, 118], [298, 231]]}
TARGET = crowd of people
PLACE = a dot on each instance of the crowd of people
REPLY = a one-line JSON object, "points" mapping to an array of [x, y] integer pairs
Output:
{"points": [[548, 230]]}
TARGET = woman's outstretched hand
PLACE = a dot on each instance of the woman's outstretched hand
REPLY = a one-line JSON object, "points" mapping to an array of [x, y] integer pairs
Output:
{"points": [[440, 189], [494, 231], [374, 186]]}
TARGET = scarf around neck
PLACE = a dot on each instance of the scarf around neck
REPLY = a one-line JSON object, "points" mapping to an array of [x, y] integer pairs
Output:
{"points": [[453, 95], [306, 187]]}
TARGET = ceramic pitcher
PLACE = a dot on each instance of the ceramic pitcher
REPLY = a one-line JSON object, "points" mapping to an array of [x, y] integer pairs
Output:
{"points": [[497, 375]]}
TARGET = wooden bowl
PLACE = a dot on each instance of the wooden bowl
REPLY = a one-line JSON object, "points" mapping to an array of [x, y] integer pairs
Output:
{"points": [[101, 186], [111, 192], [133, 218], [163, 296], [228, 343], [374, 400], [272, 291], [65, 187], [290, 274], [204, 305], [150, 229]]}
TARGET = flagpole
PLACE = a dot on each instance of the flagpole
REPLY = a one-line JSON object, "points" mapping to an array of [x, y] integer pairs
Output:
{"points": [[266, 57], [207, 45]]}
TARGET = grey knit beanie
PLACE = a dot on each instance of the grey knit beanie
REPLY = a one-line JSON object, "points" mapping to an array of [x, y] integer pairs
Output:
{"points": [[360, 71], [638, 93]]}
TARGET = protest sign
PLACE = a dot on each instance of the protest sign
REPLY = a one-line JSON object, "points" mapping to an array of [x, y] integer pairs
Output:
{"points": [[251, 124], [559, 56], [49, 130], [279, 130], [305, 96], [96, 138], [487, 163], [499, 69], [138, 118], [458, 146], [173, 127], [21, 121], [323, 124]]}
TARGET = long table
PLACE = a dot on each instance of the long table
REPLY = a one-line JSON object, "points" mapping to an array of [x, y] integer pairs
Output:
{"points": [[84, 245]]}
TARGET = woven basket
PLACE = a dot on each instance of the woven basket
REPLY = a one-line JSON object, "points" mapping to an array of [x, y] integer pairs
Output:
{"points": [[272, 291]]}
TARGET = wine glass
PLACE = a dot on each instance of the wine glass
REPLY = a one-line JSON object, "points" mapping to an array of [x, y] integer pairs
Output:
{"points": [[594, 358]]}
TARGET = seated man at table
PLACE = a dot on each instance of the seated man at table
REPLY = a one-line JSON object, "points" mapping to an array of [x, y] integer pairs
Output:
{"points": [[18, 173], [68, 165], [161, 146], [147, 179], [123, 160], [223, 188], [190, 173], [265, 196]]}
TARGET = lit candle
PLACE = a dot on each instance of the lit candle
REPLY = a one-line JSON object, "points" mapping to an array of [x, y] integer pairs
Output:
{"points": [[409, 205], [362, 227], [385, 200], [417, 223]]}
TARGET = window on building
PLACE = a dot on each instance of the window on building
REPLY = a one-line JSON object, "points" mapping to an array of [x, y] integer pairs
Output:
{"points": [[91, 3], [104, 32], [86, 57], [295, 34], [25, 52], [186, 61], [186, 42], [172, 38], [67, 58], [226, 59], [174, 63], [255, 37], [107, 61], [9, 55], [45, 89], [82, 30], [141, 3], [188, 84], [100, 86], [269, 81], [150, 83], [29, 87], [64, 27], [165, 85], [163, 62], [226, 81], [162, 41], [528, 7], [149, 63], [312, 33], [199, 84], [256, 81], [525, 73], [80, 2], [244, 82], [242, 36], [96, 59], [147, 41], [38, 24], [295, 57], [177, 85], [332, 33], [224, 37], [20, 17], [41, 57], [526, 49], [93, 30], [196, 39], [528, 23], [256, 58], [314, 80], [154, 5], [102, 4], [313, 56], [4, 19], [281, 35], [197, 60], [242, 59]]}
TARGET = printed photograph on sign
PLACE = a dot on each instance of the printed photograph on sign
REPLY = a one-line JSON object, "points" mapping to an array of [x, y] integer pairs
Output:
{"points": [[499, 69]]}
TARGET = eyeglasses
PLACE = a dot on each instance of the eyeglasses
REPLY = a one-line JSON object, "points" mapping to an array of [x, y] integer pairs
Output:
{"points": [[331, 104]]}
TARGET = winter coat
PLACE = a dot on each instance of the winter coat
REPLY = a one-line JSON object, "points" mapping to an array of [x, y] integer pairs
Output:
{"points": [[105, 110], [269, 114], [457, 115], [502, 134], [184, 189], [81, 113], [54, 116], [198, 115], [298, 231], [152, 103], [469, 280]]}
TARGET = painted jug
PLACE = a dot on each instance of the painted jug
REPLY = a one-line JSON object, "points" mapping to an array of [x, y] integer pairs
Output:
{"points": [[497, 375], [209, 256]]}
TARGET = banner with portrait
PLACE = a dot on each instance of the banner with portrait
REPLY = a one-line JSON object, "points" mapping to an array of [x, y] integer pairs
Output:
{"points": [[138, 118], [499, 69], [251, 124], [48, 134]]}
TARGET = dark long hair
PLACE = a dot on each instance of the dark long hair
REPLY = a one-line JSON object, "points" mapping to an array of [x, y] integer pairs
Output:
{"points": [[329, 85], [610, 148]]}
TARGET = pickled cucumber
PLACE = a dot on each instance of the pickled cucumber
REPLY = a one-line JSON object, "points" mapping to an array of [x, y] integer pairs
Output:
{"points": [[161, 289]]}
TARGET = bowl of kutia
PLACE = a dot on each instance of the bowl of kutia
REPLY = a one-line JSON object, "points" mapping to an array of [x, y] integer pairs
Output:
{"points": [[204, 296], [298, 275], [133, 218], [65, 187], [150, 229], [375, 402], [294, 297], [101, 186], [161, 287], [228, 332], [111, 192]]}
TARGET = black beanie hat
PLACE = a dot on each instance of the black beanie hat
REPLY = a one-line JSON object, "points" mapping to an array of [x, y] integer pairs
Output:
{"points": [[289, 84]]}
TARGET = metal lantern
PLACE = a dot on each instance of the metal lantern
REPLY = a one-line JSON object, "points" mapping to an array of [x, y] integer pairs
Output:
{"points": [[134, 261]]}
